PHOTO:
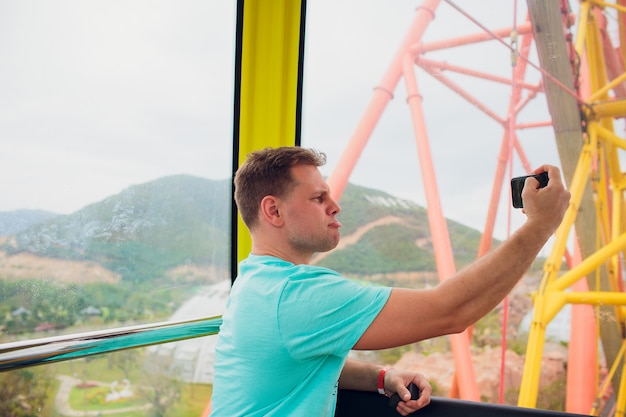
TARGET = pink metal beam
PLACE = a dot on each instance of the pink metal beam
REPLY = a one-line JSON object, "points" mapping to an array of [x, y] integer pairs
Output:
{"points": [[460, 91], [471, 39], [339, 177], [521, 126], [464, 368], [444, 66], [582, 355]]}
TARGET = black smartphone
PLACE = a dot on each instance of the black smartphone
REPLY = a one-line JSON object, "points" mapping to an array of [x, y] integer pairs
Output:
{"points": [[395, 398], [517, 185]]}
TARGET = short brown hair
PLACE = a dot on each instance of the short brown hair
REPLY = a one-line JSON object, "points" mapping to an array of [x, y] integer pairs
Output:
{"points": [[267, 172]]}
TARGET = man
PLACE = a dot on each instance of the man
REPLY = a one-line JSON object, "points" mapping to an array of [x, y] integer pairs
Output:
{"points": [[289, 326]]}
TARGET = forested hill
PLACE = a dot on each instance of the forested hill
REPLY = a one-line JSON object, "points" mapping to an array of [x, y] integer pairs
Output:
{"points": [[150, 228], [384, 234], [142, 231]]}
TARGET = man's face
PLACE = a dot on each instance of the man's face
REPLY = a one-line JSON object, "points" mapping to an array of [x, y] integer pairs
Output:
{"points": [[309, 212]]}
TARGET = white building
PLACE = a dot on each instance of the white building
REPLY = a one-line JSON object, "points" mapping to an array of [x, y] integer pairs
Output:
{"points": [[193, 359]]}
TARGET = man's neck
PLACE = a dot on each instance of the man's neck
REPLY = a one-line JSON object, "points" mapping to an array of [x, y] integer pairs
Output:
{"points": [[285, 255]]}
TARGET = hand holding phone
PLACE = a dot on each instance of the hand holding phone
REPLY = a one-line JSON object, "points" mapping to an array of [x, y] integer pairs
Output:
{"points": [[395, 398], [517, 185]]}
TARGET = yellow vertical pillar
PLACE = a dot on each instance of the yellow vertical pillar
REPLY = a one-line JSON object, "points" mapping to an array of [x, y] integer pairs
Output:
{"points": [[268, 86]]}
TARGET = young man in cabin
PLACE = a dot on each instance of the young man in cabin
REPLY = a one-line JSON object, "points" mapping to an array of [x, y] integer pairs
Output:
{"points": [[289, 326]]}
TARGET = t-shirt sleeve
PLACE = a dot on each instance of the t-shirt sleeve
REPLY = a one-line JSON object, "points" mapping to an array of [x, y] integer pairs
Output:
{"points": [[326, 314]]}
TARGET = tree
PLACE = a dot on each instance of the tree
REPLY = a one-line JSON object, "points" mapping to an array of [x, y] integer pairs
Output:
{"points": [[159, 386], [23, 393]]}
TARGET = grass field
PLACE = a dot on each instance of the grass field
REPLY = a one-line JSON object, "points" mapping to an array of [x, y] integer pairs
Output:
{"points": [[101, 371]]}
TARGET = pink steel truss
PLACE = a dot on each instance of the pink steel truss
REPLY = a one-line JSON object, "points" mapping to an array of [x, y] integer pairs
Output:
{"points": [[410, 54]]}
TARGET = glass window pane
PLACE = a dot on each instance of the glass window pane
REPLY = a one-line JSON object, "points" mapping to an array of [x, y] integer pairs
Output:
{"points": [[131, 383], [116, 124]]}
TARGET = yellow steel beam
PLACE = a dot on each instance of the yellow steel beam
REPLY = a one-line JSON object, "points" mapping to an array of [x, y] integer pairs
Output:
{"points": [[268, 103], [589, 264], [612, 108], [546, 304], [598, 169]]}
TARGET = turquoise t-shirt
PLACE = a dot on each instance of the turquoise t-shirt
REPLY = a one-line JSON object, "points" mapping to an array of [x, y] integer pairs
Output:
{"points": [[286, 333]]}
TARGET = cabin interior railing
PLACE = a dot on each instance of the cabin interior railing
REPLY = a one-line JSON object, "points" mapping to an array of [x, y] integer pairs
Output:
{"points": [[21, 354]]}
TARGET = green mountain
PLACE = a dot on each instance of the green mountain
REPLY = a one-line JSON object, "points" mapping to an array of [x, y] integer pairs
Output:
{"points": [[143, 231], [151, 228], [395, 236]]}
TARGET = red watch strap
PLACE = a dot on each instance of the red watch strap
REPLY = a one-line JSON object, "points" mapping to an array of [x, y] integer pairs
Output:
{"points": [[381, 380]]}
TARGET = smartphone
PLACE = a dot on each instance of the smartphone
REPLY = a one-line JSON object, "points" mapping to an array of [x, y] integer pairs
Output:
{"points": [[517, 185], [395, 398]]}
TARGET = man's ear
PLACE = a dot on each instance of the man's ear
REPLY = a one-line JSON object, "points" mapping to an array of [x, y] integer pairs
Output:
{"points": [[269, 210]]}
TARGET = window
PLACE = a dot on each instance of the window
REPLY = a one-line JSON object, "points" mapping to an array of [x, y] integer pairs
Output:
{"points": [[115, 159]]}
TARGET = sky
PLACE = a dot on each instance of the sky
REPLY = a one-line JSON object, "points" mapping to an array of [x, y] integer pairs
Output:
{"points": [[100, 95]]}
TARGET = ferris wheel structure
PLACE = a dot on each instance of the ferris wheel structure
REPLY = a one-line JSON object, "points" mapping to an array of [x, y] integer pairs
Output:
{"points": [[580, 58]]}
